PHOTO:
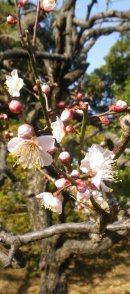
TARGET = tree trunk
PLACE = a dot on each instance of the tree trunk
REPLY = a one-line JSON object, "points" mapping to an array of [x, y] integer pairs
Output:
{"points": [[53, 280], [53, 277]]}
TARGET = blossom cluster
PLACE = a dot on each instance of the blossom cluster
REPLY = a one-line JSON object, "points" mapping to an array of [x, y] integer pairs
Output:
{"points": [[89, 176]]}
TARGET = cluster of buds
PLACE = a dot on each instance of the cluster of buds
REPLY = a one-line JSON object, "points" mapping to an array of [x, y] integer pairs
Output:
{"points": [[45, 88]]}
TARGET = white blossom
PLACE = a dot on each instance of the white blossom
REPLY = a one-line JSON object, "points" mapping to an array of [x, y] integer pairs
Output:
{"points": [[51, 202], [99, 163], [14, 83], [32, 153], [58, 129]]}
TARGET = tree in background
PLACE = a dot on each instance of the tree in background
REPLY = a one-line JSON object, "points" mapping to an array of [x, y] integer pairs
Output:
{"points": [[46, 74]]}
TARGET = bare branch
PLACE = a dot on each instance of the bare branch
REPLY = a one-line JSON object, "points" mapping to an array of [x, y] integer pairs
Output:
{"points": [[102, 15], [97, 32], [21, 53]]}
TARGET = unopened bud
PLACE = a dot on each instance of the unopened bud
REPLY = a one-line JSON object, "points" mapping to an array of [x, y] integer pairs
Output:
{"points": [[75, 174], [15, 106], [45, 89], [70, 129], [8, 134], [48, 5], [119, 106], [61, 104], [79, 95], [3, 116], [53, 150], [22, 3], [11, 19], [61, 183], [35, 88], [67, 114], [81, 186], [104, 120], [65, 157], [26, 131]]}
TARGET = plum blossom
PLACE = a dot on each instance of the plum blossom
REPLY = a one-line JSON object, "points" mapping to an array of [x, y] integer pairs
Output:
{"points": [[51, 202], [58, 129], [14, 83], [33, 152], [99, 164]]}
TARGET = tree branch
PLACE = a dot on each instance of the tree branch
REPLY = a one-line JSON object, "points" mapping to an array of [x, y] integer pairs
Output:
{"points": [[21, 53], [102, 15]]}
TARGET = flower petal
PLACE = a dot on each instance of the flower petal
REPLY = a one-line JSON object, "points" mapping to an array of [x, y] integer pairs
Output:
{"points": [[13, 143], [85, 166], [47, 159], [96, 180], [46, 142]]}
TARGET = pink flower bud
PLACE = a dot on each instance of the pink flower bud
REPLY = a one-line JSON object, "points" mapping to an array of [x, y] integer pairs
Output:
{"points": [[67, 114], [61, 183], [61, 104], [46, 89], [79, 96], [3, 116], [11, 19], [26, 131], [15, 106], [104, 120], [119, 106], [80, 207], [22, 3], [8, 134], [48, 5], [75, 174], [35, 88], [53, 150], [81, 186], [65, 157], [70, 129]]}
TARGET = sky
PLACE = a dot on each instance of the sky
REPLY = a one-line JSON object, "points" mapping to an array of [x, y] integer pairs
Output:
{"points": [[103, 45]]}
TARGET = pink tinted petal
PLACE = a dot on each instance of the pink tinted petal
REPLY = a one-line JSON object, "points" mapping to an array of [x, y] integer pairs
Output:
{"points": [[46, 142], [13, 143], [47, 159], [85, 166], [97, 180]]}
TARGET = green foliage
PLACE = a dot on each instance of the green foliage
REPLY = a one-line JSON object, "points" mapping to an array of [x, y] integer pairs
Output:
{"points": [[93, 86]]}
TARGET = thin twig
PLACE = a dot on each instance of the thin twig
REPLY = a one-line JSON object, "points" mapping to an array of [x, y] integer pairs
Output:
{"points": [[36, 24]]}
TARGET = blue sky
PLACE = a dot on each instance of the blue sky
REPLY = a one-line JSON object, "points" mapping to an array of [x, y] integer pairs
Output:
{"points": [[103, 45]]}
